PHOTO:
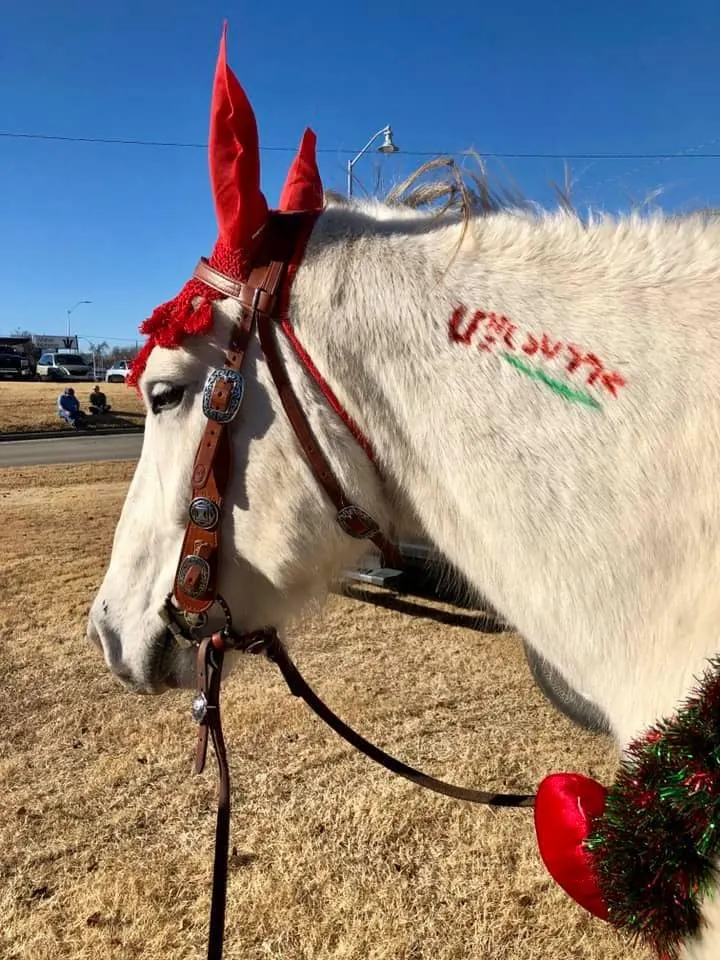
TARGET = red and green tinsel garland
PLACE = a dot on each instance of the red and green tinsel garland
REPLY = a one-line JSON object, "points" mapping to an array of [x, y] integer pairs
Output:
{"points": [[655, 846]]}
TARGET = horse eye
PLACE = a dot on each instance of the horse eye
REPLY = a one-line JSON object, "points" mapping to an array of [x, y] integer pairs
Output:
{"points": [[166, 399]]}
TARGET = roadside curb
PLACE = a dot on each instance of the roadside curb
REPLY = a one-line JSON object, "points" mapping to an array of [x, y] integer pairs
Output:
{"points": [[60, 434]]}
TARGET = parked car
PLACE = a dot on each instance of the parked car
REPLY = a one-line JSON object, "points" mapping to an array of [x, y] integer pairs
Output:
{"points": [[118, 372], [64, 366], [10, 363]]}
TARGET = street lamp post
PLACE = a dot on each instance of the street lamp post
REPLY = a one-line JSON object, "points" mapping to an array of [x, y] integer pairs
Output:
{"points": [[387, 146], [67, 334], [91, 345]]}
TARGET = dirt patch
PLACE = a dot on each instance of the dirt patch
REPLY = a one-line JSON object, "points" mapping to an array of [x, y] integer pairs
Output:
{"points": [[29, 407], [106, 839]]}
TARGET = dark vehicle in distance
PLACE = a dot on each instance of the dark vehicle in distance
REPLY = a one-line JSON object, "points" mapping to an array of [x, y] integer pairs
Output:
{"points": [[10, 363]]}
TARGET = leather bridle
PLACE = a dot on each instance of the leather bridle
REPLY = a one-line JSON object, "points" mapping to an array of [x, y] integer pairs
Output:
{"points": [[196, 578], [195, 589]]}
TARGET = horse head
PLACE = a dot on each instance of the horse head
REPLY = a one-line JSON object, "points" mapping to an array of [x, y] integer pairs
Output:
{"points": [[268, 539]]}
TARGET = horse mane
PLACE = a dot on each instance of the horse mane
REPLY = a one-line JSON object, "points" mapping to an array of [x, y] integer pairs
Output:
{"points": [[442, 187], [445, 191]]}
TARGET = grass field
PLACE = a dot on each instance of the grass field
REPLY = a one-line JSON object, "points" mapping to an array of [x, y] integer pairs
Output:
{"points": [[106, 839], [25, 407]]}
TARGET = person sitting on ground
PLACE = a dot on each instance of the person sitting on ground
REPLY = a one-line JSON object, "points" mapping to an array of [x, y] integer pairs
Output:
{"points": [[98, 401], [68, 408]]}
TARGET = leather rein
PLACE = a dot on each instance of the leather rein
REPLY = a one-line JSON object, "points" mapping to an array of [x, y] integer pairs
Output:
{"points": [[195, 590]]}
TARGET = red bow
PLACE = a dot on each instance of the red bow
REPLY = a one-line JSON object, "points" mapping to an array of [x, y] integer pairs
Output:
{"points": [[565, 807]]}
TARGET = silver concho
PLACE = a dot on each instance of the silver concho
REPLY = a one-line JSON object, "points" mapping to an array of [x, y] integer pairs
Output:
{"points": [[356, 522], [236, 384], [204, 513], [203, 579], [199, 707]]}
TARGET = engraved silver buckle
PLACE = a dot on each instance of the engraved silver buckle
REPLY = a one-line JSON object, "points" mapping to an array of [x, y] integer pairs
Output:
{"points": [[192, 560], [357, 522], [236, 383]]}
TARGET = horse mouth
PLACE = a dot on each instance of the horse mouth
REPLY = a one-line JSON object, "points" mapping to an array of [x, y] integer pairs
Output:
{"points": [[174, 667], [167, 668]]}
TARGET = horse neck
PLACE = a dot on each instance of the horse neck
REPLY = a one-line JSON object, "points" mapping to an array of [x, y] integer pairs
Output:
{"points": [[520, 487], [375, 310], [447, 412]]}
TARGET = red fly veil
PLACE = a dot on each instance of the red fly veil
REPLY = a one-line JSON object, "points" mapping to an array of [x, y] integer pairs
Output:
{"points": [[240, 207]]}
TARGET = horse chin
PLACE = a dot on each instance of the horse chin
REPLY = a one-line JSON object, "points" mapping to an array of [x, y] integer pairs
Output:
{"points": [[174, 669]]}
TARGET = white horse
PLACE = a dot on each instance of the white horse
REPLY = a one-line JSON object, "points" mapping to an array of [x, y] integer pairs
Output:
{"points": [[542, 398]]}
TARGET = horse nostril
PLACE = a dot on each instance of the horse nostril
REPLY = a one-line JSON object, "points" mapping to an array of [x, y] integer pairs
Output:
{"points": [[93, 635]]}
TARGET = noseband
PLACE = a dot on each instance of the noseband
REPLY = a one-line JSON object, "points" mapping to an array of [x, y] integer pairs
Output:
{"points": [[195, 589]]}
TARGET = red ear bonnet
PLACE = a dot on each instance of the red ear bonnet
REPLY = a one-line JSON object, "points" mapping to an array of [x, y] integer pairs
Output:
{"points": [[303, 188], [240, 207], [234, 159], [241, 210]]}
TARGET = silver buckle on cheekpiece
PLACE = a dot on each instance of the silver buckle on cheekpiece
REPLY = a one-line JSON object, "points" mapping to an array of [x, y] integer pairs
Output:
{"points": [[199, 564], [236, 383], [357, 522]]}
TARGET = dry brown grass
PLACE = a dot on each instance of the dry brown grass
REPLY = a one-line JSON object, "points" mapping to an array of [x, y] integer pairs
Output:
{"points": [[25, 407], [106, 839]]}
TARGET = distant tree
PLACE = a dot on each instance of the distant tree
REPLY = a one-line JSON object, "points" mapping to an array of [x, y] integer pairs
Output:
{"points": [[121, 353], [99, 349], [32, 352]]}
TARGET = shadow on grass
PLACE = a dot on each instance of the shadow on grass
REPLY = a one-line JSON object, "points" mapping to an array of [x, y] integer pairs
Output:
{"points": [[412, 604], [115, 420]]}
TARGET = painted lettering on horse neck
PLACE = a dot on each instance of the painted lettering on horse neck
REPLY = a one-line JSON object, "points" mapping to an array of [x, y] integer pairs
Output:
{"points": [[493, 333]]}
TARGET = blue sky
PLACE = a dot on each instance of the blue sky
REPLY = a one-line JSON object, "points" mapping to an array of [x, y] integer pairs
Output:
{"points": [[123, 225]]}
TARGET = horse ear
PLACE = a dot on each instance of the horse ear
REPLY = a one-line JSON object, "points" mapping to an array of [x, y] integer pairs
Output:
{"points": [[303, 188], [234, 158]]}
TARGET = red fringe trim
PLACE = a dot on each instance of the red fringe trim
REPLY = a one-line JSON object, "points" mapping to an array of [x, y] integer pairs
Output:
{"points": [[173, 321]]}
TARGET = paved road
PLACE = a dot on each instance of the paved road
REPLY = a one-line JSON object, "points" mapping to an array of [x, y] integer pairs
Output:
{"points": [[77, 449]]}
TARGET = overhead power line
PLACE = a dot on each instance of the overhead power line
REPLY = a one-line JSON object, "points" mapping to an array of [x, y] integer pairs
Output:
{"points": [[177, 144]]}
